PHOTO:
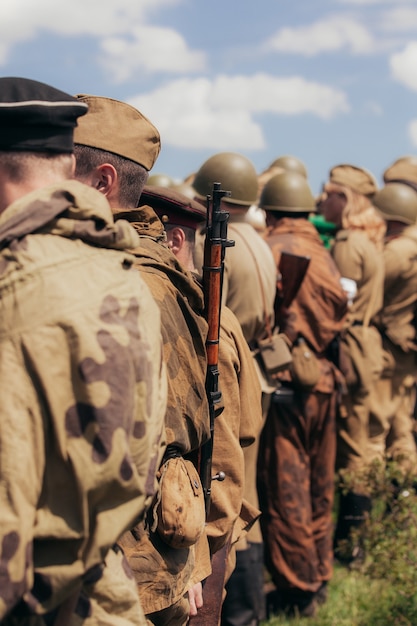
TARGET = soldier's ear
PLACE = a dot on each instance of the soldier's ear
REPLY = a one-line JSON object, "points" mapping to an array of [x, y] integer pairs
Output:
{"points": [[105, 178], [176, 239]]}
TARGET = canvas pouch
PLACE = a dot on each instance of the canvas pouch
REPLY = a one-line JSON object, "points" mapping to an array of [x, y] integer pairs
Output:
{"points": [[179, 509]]}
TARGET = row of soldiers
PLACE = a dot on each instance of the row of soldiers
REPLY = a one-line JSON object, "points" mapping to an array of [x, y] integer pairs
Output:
{"points": [[103, 372], [352, 335]]}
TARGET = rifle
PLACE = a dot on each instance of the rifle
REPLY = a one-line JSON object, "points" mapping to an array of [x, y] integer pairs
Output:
{"points": [[214, 251], [292, 268]]}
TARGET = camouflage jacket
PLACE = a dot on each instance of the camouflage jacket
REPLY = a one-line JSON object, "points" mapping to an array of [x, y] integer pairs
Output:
{"points": [[83, 393], [164, 574], [184, 331]]}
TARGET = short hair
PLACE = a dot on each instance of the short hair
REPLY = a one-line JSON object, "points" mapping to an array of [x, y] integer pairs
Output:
{"points": [[19, 165], [132, 176], [188, 232]]}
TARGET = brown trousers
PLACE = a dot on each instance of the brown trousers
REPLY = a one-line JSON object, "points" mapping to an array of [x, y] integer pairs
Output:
{"points": [[296, 488], [392, 422]]}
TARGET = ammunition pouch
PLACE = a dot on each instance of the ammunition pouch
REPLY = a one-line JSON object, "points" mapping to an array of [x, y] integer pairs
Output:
{"points": [[273, 354], [305, 369], [179, 511]]}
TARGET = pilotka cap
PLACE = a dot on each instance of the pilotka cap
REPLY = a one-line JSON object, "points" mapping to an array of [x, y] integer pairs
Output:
{"points": [[173, 207], [119, 128], [402, 170], [35, 117], [356, 178]]}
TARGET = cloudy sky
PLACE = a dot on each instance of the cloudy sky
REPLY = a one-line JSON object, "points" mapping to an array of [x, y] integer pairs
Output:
{"points": [[329, 81]]}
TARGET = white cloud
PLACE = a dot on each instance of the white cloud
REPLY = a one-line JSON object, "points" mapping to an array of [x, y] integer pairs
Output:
{"points": [[399, 19], [412, 131], [150, 48], [22, 20], [219, 114], [328, 35], [404, 66]]}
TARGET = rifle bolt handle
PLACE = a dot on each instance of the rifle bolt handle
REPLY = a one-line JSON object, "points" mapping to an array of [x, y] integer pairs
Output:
{"points": [[220, 476]]}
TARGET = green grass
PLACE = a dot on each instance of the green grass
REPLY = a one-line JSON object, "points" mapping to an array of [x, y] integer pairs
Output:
{"points": [[356, 600], [382, 589]]}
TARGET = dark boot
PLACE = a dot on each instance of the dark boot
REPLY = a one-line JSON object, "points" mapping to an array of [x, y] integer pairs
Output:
{"points": [[353, 511], [244, 604]]}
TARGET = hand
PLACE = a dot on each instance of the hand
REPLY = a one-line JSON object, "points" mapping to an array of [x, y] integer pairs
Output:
{"points": [[195, 598]]}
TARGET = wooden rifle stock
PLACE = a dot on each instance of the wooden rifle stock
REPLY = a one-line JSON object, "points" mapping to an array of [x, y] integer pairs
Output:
{"points": [[214, 251], [292, 268]]}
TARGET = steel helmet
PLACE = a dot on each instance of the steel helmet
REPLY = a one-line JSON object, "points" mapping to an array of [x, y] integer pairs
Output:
{"points": [[397, 201], [160, 180], [287, 192], [234, 172], [290, 164]]}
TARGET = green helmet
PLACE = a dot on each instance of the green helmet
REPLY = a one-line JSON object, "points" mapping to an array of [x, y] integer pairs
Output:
{"points": [[287, 192], [404, 168], [234, 172], [160, 180], [397, 201], [290, 164]]}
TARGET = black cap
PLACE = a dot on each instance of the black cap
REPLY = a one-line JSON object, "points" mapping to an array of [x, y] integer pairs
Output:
{"points": [[35, 117]]}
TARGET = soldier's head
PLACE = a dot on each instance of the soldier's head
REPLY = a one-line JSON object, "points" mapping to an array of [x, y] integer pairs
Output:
{"points": [[168, 215], [290, 164], [37, 125], [287, 194], [403, 170], [397, 204], [347, 193], [115, 147], [181, 216], [235, 173], [286, 163]]}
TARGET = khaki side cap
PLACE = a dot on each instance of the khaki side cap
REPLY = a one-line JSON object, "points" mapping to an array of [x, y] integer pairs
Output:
{"points": [[357, 178], [402, 170], [119, 128]]}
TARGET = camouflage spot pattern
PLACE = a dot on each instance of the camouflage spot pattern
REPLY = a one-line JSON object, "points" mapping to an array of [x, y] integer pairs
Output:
{"points": [[83, 389]]}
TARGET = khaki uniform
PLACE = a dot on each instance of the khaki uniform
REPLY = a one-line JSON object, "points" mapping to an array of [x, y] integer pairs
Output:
{"points": [[298, 444], [392, 402], [249, 289], [83, 401], [242, 291], [359, 259]]}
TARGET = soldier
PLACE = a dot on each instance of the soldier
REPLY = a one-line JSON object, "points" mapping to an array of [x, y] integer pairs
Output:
{"points": [[357, 251], [393, 396], [168, 570], [106, 161], [239, 422], [82, 382], [298, 445], [282, 164], [249, 291]]}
